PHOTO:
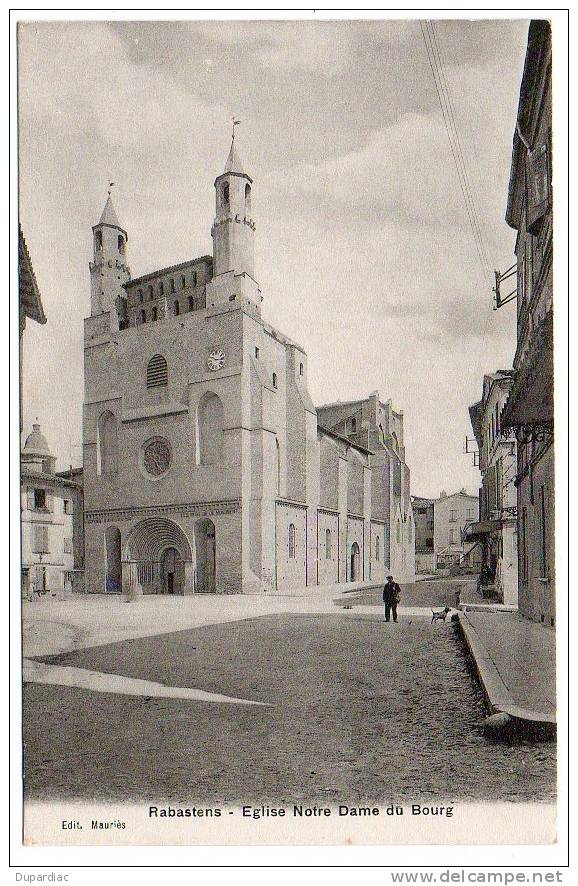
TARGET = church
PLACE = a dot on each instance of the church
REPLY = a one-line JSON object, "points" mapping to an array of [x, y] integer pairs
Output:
{"points": [[207, 467]]}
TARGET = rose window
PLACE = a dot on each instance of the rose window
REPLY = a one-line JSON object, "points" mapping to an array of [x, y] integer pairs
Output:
{"points": [[157, 457]]}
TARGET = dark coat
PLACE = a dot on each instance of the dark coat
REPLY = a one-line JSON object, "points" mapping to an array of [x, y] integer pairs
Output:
{"points": [[391, 592]]}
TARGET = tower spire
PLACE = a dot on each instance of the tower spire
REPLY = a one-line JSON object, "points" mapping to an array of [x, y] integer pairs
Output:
{"points": [[109, 268], [233, 235]]}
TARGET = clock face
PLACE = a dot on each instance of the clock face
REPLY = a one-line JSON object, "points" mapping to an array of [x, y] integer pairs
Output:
{"points": [[216, 360]]}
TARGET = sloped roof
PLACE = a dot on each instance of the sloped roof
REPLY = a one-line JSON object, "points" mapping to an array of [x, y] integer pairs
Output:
{"points": [[30, 301]]}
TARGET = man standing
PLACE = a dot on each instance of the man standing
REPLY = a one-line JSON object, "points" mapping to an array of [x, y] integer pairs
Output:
{"points": [[391, 595]]}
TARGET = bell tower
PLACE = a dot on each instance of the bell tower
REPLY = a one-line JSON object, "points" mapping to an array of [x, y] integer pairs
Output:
{"points": [[233, 229], [109, 268], [233, 234]]}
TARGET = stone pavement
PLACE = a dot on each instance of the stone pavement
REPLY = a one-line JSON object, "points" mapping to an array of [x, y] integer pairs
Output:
{"points": [[516, 661], [51, 626]]}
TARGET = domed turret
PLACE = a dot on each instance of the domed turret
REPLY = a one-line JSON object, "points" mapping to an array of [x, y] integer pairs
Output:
{"points": [[36, 455], [36, 443]]}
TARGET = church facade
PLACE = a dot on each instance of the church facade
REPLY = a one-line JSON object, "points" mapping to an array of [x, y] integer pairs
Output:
{"points": [[207, 467]]}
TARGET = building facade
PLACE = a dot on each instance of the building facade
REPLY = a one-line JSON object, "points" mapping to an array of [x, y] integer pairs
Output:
{"points": [[423, 512], [529, 410], [52, 519], [206, 468], [452, 513], [496, 528]]}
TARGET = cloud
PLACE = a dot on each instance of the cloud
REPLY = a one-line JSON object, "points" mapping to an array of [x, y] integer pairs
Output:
{"points": [[130, 107], [404, 169], [364, 254]]}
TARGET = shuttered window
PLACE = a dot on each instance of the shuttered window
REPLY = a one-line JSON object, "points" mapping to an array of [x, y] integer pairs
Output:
{"points": [[157, 372], [538, 185], [40, 539]]}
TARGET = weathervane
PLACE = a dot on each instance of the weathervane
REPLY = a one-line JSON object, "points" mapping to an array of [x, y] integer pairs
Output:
{"points": [[235, 123], [110, 185]]}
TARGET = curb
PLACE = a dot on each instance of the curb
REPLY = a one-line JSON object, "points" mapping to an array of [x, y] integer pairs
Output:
{"points": [[498, 697]]}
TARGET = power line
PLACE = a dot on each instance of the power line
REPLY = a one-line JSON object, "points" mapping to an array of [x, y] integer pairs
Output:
{"points": [[464, 165], [455, 145], [428, 40]]}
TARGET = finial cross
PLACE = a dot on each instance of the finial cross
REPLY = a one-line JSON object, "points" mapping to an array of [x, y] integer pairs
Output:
{"points": [[110, 185], [235, 123]]}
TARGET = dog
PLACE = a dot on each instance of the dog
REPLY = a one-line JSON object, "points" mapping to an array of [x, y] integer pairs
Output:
{"points": [[440, 614]]}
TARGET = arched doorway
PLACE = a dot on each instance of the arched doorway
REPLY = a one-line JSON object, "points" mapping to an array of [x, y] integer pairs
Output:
{"points": [[113, 561], [172, 572], [205, 571], [148, 559], [354, 562]]}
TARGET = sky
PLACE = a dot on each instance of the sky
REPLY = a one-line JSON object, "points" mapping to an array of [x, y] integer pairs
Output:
{"points": [[364, 253]]}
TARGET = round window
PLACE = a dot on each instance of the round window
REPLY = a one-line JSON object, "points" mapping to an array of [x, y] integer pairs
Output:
{"points": [[156, 457]]}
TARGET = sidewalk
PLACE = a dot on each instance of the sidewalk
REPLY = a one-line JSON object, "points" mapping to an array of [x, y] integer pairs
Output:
{"points": [[516, 663]]}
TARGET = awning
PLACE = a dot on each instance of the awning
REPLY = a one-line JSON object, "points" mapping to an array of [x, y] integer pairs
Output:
{"points": [[481, 528]]}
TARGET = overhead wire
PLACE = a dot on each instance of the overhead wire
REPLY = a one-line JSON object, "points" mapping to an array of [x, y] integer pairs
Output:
{"points": [[446, 105], [465, 174]]}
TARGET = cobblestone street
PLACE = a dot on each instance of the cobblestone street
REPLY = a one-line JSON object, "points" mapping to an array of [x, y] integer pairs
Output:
{"points": [[359, 712]]}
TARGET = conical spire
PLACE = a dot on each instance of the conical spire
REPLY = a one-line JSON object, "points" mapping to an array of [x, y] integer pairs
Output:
{"points": [[109, 216], [233, 163]]}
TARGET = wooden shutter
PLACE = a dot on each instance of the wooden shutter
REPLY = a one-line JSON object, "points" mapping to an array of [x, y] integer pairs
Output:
{"points": [[499, 484], [40, 540], [538, 185], [491, 475]]}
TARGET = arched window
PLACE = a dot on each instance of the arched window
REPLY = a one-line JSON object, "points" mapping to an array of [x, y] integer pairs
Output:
{"points": [[191, 303], [172, 284], [398, 531], [157, 372], [274, 379], [353, 425], [377, 548], [98, 239], [247, 197], [328, 544], [143, 316], [107, 445], [301, 369], [121, 245], [210, 424], [155, 314], [194, 278], [226, 194], [151, 293], [161, 288], [140, 296], [291, 541], [177, 309], [183, 281]]}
